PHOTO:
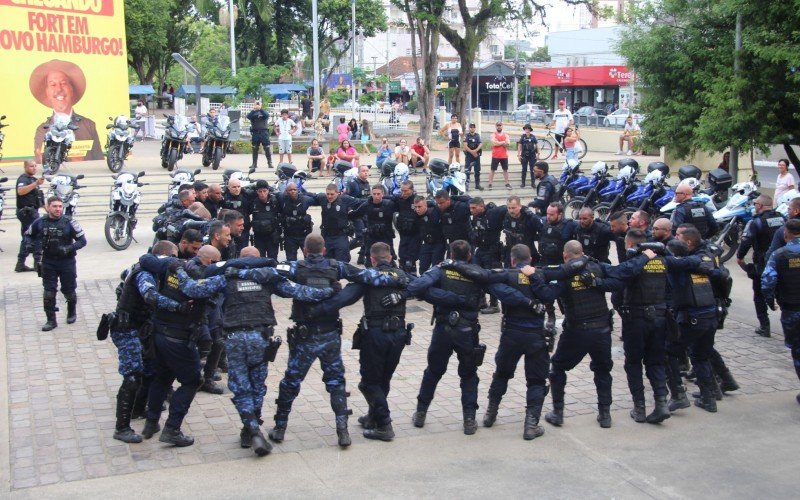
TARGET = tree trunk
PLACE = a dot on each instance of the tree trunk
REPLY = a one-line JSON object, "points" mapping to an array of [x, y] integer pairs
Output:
{"points": [[464, 88], [793, 159]]}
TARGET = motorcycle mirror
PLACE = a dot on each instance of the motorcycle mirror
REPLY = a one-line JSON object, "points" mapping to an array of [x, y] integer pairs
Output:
{"points": [[109, 126], [80, 176], [3, 117], [3, 179], [251, 170], [141, 174], [197, 171], [111, 118], [72, 126]]}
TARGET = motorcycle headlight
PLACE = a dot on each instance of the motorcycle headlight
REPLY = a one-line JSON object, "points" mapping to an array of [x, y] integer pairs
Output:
{"points": [[225, 135], [115, 195], [74, 200], [128, 189]]}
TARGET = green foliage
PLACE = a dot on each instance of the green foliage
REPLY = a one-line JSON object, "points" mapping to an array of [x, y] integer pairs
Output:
{"points": [[683, 54], [368, 98], [539, 55], [249, 80], [337, 97], [412, 106]]}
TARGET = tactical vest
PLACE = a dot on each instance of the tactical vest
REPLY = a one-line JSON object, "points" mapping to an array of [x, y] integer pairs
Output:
{"points": [[516, 231], [453, 281], [771, 221], [583, 304], [650, 287], [131, 301], [178, 320], [546, 191], [314, 277], [363, 189], [334, 218], [31, 199], [695, 213], [265, 216], [480, 234], [527, 144], [379, 221], [517, 280], [454, 228], [473, 140], [297, 222], [247, 306], [234, 203], [406, 218], [430, 229], [590, 239], [551, 243], [700, 293], [56, 233], [787, 263], [373, 310]]}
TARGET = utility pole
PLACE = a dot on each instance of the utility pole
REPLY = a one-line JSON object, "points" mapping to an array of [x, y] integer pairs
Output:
{"points": [[353, 47], [388, 73], [233, 39], [516, 69], [315, 54], [733, 165]]}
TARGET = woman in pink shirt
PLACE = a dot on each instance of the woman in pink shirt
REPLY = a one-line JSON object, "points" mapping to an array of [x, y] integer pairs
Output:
{"points": [[785, 181], [347, 152], [342, 129]]}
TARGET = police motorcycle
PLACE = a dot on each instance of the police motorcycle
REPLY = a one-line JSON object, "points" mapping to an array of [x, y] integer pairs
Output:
{"points": [[569, 180], [2, 135], [617, 191], [122, 205], [217, 141], [653, 193], [65, 187], [287, 173], [714, 197], [447, 177], [733, 217], [120, 141], [345, 173], [244, 179], [599, 181], [455, 182], [393, 175], [179, 178], [57, 143], [783, 202], [175, 141]]}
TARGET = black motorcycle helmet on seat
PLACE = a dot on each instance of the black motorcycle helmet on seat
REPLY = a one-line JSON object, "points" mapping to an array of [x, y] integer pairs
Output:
{"points": [[628, 162], [659, 165]]}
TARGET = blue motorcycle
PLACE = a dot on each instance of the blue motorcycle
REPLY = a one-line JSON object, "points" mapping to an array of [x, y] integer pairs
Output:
{"points": [[287, 173], [598, 181], [615, 194], [569, 180]]}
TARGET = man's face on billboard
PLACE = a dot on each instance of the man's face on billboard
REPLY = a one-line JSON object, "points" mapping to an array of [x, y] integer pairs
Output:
{"points": [[59, 91]]}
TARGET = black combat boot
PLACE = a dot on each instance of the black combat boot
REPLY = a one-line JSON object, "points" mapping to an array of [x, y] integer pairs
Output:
{"points": [[660, 412], [470, 425], [125, 399], [175, 437], [72, 305], [278, 432], [639, 412], [678, 400], [707, 400], [490, 416], [532, 429], [21, 267], [728, 383], [604, 416], [150, 428], [763, 329], [343, 434], [245, 438], [258, 442], [418, 419], [49, 302], [556, 417], [492, 307], [211, 387], [51, 322], [380, 432]]}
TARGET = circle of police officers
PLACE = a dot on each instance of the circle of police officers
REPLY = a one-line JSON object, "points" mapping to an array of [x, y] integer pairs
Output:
{"points": [[203, 292]]}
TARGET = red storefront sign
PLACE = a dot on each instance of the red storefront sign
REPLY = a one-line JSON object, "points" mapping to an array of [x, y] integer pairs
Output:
{"points": [[581, 76]]}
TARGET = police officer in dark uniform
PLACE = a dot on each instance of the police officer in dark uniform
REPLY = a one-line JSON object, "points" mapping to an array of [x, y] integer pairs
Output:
{"points": [[236, 199], [793, 212], [259, 133], [527, 152], [360, 189], [520, 226], [662, 231], [618, 221], [431, 236], [486, 224], [456, 331], [473, 148], [781, 281], [522, 334], [545, 189], [693, 212], [295, 219], [137, 294], [318, 336], [594, 235], [587, 330], [407, 227], [557, 230], [336, 224], [60, 237], [378, 213], [758, 235], [29, 199], [454, 216], [265, 221]]}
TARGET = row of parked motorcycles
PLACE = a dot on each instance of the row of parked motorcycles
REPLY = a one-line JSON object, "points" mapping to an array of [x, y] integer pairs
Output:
{"points": [[176, 141], [731, 204]]}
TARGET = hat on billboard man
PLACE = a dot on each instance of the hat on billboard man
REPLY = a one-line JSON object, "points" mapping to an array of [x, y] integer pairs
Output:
{"points": [[58, 85]]}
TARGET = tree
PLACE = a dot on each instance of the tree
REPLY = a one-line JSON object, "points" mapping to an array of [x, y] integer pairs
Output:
{"points": [[249, 80], [683, 53]]}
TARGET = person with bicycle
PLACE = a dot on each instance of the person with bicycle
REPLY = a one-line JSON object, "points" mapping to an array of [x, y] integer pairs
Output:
{"points": [[562, 119]]}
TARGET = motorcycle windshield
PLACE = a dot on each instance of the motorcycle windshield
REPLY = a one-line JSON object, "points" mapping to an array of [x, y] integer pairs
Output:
{"points": [[180, 123], [63, 190], [223, 122], [126, 178]]}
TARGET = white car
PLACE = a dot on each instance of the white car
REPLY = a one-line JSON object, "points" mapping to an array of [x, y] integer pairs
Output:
{"points": [[530, 113], [618, 117]]}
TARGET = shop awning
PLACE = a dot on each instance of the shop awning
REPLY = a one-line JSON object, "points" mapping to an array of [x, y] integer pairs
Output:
{"points": [[140, 90], [581, 76], [283, 90], [185, 90]]}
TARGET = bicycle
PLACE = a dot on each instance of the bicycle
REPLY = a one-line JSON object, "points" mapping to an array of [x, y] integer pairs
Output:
{"points": [[548, 142]]}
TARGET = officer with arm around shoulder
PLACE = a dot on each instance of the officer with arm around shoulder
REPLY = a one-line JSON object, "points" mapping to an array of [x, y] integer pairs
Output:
{"points": [[781, 281], [693, 212]]}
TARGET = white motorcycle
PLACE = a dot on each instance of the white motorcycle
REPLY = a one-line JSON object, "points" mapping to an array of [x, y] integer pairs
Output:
{"points": [[2, 135], [65, 187], [179, 178], [733, 217], [57, 143], [783, 202], [120, 142], [121, 218]]}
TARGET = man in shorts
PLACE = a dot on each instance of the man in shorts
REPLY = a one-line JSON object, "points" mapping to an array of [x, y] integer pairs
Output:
{"points": [[285, 127], [500, 141], [562, 119]]}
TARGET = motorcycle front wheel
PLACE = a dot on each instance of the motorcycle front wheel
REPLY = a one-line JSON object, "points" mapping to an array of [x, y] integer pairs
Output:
{"points": [[602, 211], [217, 158], [118, 231], [50, 159], [172, 159], [114, 158], [573, 208], [728, 239]]}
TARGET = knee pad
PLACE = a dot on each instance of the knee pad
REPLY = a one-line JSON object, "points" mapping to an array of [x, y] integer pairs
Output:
{"points": [[131, 383], [71, 297], [49, 295]]}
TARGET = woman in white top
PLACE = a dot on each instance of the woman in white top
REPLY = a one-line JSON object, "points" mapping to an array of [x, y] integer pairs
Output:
{"points": [[402, 153], [785, 182]]}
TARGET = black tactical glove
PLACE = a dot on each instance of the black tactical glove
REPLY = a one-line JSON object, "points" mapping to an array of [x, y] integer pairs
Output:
{"points": [[232, 272], [706, 267], [337, 287], [65, 250], [391, 300], [470, 271], [401, 281], [176, 264], [588, 278], [185, 307], [575, 266], [537, 307]]}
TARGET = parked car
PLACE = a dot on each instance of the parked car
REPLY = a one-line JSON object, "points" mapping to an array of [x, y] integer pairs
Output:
{"points": [[588, 115], [618, 117], [530, 113]]}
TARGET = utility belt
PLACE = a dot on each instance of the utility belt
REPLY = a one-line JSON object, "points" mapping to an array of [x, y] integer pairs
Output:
{"points": [[429, 239], [124, 322], [273, 343], [266, 331], [790, 307], [390, 324], [301, 333], [643, 311], [451, 322], [454, 318], [549, 336], [590, 324]]}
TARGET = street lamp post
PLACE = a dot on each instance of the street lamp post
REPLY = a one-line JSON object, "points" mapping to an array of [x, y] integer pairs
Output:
{"points": [[353, 47], [232, 21], [315, 54]]}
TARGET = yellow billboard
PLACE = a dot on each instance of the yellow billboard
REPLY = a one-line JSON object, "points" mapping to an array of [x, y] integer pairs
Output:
{"points": [[62, 60]]}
